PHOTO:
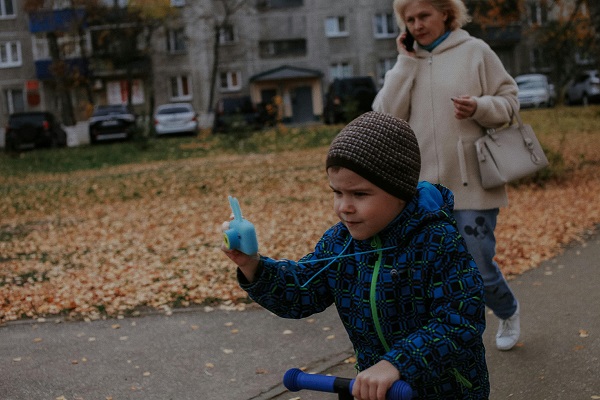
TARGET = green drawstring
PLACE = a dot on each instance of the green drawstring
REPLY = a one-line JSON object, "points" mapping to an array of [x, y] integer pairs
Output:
{"points": [[372, 292], [461, 379]]}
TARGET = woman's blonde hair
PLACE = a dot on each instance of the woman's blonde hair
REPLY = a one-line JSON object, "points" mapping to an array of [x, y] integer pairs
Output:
{"points": [[457, 12]]}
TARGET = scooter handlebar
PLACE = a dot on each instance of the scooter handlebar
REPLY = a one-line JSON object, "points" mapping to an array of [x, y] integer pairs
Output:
{"points": [[295, 380]]}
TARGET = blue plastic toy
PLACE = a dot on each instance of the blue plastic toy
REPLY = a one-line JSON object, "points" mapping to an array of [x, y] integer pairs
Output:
{"points": [[241, 234]]}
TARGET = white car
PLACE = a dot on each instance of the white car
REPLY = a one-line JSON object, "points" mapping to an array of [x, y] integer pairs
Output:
{"points": [[535, 90], [174, 118]]}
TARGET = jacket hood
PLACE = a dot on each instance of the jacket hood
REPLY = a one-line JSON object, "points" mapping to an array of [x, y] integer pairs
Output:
{"points": [[432, 203]]}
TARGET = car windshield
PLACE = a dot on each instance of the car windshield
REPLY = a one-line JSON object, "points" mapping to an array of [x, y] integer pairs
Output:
{"points": [[173, 110], [17, 121], [107, 110], [530, 84]]}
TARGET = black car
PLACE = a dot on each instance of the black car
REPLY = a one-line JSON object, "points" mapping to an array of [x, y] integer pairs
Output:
{"points": [[237, 114], [27, 130], [111, 122], [347, 98]]}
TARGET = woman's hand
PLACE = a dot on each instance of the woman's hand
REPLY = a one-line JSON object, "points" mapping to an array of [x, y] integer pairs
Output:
{"points": [[374, 383], [248, 264], [464, 107]]}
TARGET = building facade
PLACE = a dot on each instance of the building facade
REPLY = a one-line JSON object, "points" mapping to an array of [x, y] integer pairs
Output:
{"points": [[289, 50]]}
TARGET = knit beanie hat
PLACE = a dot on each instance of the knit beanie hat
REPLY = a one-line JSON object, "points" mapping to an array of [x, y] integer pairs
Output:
{"points": [[382, 149]]}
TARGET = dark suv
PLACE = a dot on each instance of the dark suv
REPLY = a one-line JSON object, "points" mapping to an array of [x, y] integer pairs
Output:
{"points": [[347, 98], [111, 122], [236, 114], [27, 130]]}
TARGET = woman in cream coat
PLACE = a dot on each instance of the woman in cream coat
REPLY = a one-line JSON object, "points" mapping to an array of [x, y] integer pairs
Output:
{"points": [[449, 88]]}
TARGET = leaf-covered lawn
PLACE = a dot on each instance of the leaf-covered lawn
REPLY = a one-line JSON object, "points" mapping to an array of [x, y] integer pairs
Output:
{"points": [[109, 241]]}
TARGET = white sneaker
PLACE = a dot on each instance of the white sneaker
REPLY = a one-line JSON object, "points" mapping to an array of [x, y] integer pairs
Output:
{"points": [[509, 331]]}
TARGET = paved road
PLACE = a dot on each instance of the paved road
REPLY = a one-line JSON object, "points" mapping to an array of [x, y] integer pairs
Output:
{"points": [[202, 354]]}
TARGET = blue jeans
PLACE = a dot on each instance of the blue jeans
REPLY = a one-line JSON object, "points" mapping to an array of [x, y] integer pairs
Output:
{"points": [[477, 228]]}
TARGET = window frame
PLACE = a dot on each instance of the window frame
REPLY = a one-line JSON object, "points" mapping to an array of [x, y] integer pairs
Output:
{"points": [[230, 76], [383, 66], [183, 85], [340, 70], [383, 20], [6, 47], [332, 26], [9, 97], [176, 36], [3, 12], [283, 48], [227, 34]]}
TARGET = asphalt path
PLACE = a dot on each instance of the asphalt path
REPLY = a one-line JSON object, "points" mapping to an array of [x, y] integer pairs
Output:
{"points": [[202, 353]]}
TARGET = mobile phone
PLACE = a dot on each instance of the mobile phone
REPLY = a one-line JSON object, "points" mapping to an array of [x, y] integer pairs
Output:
{"points": [[409, 41]]}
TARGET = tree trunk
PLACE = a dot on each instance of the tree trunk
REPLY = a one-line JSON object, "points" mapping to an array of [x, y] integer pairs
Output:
{"points": [[59, 70], [215, 68]]}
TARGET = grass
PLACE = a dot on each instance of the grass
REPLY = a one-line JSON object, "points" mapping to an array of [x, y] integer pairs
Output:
{"points": [[103, 155], [555, 128]]}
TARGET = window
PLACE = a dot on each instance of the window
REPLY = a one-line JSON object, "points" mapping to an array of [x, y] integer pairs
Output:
{"points": [[10, 54], [226, 34], [539, 60], [383, 66], [538, 14], [335, 26], [267, 4], [340, 70], [282, 48], [180, 88], [385, 25], [15, 100], [230, 80], [176, 40], [7, 9], [111, 3]]}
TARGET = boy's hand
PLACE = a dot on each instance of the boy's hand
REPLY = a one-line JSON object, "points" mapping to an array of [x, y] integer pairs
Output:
{"points": [[248, 264], [374, 383]]}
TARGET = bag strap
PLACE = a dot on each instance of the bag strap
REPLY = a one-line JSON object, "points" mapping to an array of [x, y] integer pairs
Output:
{"points": [[514, 114]]}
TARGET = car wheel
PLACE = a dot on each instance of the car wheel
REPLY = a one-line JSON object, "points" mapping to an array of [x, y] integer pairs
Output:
{"points": [[329, 117], [11, 145]]}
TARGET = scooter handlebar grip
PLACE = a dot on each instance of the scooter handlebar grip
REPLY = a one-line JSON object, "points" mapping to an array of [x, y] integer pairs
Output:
{"points": [[295, 380]]}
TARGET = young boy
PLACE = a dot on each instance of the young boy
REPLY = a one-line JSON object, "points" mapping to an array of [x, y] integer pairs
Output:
{"points": [[398, 272]]}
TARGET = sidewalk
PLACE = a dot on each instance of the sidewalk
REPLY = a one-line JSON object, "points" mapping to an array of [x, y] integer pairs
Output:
{"points": [[202, 355]]}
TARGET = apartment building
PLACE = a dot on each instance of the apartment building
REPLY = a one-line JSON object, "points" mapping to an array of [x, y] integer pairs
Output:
{"points": [[285, 49], [20, 90]]}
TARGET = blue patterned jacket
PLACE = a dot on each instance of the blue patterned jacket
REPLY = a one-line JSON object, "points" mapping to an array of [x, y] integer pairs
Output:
{"points": [[414, 297]]}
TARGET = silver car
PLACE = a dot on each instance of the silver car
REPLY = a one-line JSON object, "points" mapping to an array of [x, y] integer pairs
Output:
{"points": [[584, 89], [173, 118], [535, 90]]}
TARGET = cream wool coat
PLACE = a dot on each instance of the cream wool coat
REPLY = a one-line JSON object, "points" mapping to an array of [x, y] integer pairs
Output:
{"points": [[419, 90]]}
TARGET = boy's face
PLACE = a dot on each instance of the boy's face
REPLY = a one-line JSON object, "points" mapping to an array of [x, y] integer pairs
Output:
{"points": [[364, 208]]}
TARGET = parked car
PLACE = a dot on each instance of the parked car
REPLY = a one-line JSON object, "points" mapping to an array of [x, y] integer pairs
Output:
{"points": [[174, 118], [111, 122], [584, 89], [236, 113], [347, 98], [535, 90], [27, 130]]}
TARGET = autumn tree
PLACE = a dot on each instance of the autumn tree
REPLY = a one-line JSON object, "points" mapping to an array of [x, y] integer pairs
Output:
{"points": [[124, 37], [65, 77], [220, 18], [570, 33]]}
